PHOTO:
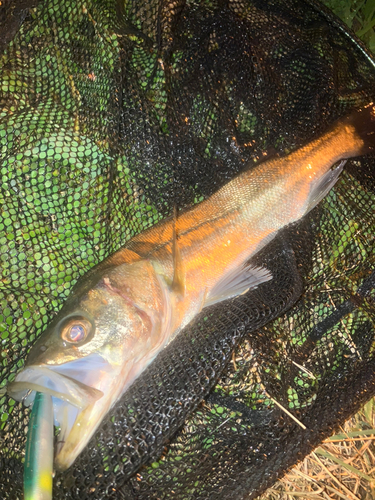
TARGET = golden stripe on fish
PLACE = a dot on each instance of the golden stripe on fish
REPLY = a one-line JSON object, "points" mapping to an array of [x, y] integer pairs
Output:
{"points": [[128, 308]]}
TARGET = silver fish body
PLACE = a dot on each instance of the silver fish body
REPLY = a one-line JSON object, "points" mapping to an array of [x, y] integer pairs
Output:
{"points": [[128, 308]]}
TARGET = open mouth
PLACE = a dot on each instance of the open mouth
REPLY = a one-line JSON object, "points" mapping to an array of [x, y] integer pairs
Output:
{"points": [[51, 381], [75, 387]]}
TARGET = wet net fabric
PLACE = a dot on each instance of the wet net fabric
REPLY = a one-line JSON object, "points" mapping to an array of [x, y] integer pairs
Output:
{"points": [[111, 115]]}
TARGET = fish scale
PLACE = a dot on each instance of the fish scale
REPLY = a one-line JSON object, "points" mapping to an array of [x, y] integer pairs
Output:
{"points": [[131, 307]]}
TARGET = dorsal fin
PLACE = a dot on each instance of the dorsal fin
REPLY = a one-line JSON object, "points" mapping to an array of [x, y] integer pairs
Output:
{"points": [[178, 282]]}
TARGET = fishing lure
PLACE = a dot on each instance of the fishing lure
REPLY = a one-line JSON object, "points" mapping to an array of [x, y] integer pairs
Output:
{"points": [[38, 470]]}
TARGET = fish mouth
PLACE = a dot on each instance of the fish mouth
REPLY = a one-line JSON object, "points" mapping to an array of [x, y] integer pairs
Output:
{"points": [[76, 393], [51, 381]]}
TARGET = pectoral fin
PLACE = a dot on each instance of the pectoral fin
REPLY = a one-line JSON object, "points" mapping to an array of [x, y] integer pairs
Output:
{"points": [[178, 282], [237, 282]]}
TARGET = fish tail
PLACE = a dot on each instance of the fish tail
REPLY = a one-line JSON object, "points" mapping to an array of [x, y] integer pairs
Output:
{"points": [[363, 122]]}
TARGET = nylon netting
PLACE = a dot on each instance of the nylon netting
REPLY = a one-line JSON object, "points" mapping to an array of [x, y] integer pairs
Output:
{"points": [[112, 114]]}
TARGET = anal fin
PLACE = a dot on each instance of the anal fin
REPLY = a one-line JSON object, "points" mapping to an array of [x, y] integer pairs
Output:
{"points": [[321, 187], [238, 282]]}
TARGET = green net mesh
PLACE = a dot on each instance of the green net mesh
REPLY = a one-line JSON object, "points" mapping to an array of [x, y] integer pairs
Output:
{"points": [[112, 114]]}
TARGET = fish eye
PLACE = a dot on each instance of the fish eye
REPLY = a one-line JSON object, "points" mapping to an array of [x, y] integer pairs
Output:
{"points": [[76, 330]]}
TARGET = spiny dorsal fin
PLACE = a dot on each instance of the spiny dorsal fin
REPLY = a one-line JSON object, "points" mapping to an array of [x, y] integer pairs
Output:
{"points": [[178, 282]]}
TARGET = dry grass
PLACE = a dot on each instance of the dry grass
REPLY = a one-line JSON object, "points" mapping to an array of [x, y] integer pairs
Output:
{"points": [[342, 468]]}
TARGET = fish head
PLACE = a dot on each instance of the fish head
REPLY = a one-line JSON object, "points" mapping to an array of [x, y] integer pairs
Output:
{"points": [[104, 321], [87, 357]]}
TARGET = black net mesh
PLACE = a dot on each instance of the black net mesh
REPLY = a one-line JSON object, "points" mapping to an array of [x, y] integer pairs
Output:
{"points": [[112, 114]]}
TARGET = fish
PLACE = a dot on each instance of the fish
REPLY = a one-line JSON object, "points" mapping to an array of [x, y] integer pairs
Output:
{"points": [[124, 311], [38, 469]]}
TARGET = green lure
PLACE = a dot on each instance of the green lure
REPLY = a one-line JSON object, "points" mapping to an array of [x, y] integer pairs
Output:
{"points": [[38, 469]]}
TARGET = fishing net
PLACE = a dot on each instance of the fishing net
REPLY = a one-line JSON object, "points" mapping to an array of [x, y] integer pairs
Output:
{"points": [[111, 115]]}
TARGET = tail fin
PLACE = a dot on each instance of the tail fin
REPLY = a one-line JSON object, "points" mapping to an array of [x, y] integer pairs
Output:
{"points": [[363, 122]]}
